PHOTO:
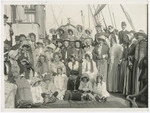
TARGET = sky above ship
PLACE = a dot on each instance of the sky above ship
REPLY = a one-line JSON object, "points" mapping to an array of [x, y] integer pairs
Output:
{"points": [[58, 14]]}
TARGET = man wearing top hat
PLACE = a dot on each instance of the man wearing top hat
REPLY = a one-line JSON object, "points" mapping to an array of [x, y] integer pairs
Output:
{"points": [[123, 32], [7, 32]]}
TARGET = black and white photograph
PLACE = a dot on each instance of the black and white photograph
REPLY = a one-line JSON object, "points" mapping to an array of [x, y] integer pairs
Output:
{"points": [[91, 55]]}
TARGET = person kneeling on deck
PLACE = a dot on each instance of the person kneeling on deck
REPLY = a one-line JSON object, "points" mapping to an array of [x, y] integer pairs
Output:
{"points": [[73, 83], [99, 89], [86, 88]]}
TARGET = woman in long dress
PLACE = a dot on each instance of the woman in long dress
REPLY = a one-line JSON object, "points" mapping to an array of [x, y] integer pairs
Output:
{"points": [[100, 56], [115, 54], [89, 67]]}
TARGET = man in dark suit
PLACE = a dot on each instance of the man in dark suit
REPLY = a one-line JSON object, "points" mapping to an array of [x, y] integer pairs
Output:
{"points": [[123, 32]]}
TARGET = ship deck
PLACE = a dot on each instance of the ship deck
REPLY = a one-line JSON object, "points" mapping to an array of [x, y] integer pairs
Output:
{"points": [[114, 101]]}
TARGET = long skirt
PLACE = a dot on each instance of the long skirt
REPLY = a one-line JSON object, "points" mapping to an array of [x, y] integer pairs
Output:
{"points": [[123, 67], [102, 68], [113, 77]]}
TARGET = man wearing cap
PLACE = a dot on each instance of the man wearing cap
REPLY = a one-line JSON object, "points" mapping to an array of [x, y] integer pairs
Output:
{"points": [[123, 32], [100, 55], [7, 31]]}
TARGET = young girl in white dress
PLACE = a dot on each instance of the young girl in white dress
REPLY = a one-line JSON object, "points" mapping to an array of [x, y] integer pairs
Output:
{"points": [[100, 92], [60, 82]]}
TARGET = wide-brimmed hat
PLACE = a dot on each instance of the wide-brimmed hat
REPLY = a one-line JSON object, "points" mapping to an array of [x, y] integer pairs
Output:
{"points": [[85, 75], [99, 76], [102, 37], [98, 25], [57, 53], [79, 26], [17, 38], [51, 46], [35, 80], [66, 40], [142, 33], [87, 39], [52, 31], [39, 42], [47, 77], [70, 30], [25, 44], [88, 30], [60, 29], [59, 40], [89, 54], [25, 60], [74, 72], [5, 16], [13, 53], [73, 56]]}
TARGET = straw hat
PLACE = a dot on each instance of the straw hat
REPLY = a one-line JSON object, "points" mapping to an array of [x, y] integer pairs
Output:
{"points": [[141, 33], [101, 37], [35, 80], [85, 75], [89, 54], [51, 46], [79, 26], [40, 42], [13, 53], [25, 43], [88, 39], [70, 30], [74, 72], [47, 77], [88, 30], [52, 31]]}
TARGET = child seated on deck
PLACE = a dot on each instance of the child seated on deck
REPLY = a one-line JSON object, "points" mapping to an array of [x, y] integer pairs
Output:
{"points": [[49, 93], [86, 88], [99, 90], [60, 82]]}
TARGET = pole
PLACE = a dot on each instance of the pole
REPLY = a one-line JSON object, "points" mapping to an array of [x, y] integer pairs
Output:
{"points": [[128, 17], [54, 16], [114, 18], [89, 16], [110, 16]]}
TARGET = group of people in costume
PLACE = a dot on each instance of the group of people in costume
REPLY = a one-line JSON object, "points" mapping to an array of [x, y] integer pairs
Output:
{"points": [[67, 66]]}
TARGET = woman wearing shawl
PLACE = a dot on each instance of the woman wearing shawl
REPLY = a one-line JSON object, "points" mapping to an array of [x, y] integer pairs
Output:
{"points": [[89, 66]]}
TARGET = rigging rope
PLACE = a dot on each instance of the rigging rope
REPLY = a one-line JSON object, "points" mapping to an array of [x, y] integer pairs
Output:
{"points": [[114, 18], [104, 20], [110, 16], [54, 15], [96, 16], [128, 17], [89, 16], [58, 16]]}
